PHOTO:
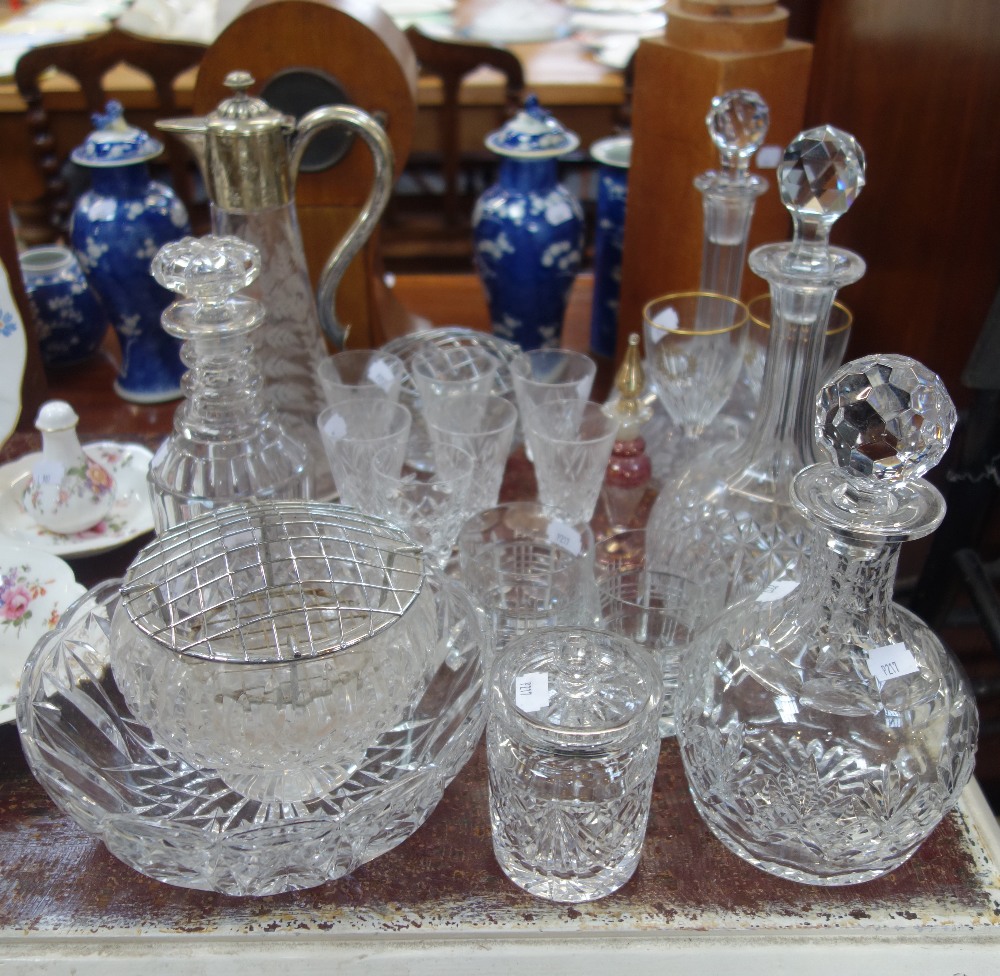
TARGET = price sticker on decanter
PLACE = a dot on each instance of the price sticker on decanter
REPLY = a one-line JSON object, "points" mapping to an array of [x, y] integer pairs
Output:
{"points": [[583, 387], [380, 373], [668, 320], [776, 589], [891, 661], [46, 473], [531, 691], [565, 536], [768, 157], [335, 427]]}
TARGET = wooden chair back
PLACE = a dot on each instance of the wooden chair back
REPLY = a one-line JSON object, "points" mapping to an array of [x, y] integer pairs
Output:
{"points": [[89, 62], [434, 222], [451, 62]]}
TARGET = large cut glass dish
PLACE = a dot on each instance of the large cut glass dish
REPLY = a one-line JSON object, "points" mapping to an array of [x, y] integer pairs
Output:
{"points": [[182, 821]]}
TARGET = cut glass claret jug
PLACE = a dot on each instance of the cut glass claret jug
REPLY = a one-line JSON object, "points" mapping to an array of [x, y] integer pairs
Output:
{"points": [[227, 443], [825, 730], [733, 503], [276, 693], [737, 123]]}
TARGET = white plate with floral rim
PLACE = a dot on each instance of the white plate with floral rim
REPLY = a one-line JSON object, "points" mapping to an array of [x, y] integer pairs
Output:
{"points": [[130, 517], [35, 590], [13, 356]]}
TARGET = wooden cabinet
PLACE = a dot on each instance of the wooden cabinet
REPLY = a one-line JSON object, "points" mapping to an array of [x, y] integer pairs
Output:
{"points": [[918, 83]]}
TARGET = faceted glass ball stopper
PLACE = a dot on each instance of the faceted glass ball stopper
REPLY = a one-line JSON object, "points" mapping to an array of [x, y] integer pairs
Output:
{"points": [[737, 123], [884, 419], [821, 174], [208, 269]]}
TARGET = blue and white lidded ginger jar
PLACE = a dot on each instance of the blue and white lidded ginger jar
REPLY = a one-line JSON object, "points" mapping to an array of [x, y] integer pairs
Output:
{"points": [[528, 230], [117, 227]]}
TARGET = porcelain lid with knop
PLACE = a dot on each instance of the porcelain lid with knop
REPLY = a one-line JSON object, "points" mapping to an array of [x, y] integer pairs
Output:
{"points": [[533, 133], [114, 142]]}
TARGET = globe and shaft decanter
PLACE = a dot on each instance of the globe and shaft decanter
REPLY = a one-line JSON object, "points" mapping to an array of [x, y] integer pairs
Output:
{"points": [[737, 124], [227, 444], [732, 503], [825, 731]]}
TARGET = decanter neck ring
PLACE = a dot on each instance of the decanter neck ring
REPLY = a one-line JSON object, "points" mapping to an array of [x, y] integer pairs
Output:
{"points": [[907, 510]]}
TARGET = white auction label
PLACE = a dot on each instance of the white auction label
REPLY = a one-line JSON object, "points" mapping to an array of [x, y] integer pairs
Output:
{"points": [[565, 536], [380, 373], [776, 589], [666, 319], [583, 387], [531, 691], [335, 427], [891, 661], [768, 157]]}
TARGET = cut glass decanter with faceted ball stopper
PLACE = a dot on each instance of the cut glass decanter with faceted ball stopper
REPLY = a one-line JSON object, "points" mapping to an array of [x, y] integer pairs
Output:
{"points": [[732, 503], [825, 731]]}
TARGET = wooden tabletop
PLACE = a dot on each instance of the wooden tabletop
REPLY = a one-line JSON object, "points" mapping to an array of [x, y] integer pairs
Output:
{"points": [[560, 72]]}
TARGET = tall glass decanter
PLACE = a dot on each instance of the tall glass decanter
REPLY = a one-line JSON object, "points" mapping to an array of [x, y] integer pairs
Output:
{"points": [[825, 730], [227, 444], [737, 123], [732, 503]]}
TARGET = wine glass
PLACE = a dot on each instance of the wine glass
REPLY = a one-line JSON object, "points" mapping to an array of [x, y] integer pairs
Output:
{"points": [[694, 352]]}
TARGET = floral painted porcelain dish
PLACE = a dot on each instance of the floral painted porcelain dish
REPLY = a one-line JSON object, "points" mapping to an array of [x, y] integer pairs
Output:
{"points": [[130, 517], [35, 590], [13, 356]]}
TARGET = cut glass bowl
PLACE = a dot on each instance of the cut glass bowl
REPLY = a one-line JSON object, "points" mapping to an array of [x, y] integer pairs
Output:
{"points": [[241, 827]]}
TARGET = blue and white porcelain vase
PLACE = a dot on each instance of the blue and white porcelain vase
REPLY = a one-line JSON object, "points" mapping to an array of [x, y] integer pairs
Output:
{"points": [[70, 318], [528, 230], [117, 227], [613, 156]]}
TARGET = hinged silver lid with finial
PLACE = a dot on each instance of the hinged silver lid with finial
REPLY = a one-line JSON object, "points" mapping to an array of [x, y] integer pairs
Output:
{"points": [[243, 147]]}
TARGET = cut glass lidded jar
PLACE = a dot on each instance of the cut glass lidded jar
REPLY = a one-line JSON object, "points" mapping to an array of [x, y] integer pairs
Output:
{"points": [[276, 693], [826, 731]]}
